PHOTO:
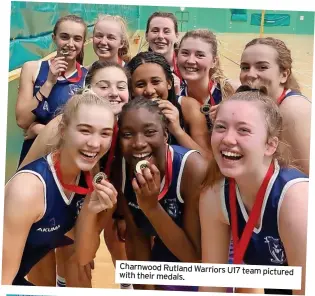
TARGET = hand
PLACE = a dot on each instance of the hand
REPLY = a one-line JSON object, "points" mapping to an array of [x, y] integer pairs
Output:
{"points": [[147, 188], [172, 115], [103, 197], [176, 84], [33, 130], [121, 229], [57, 66], [213, 112]]}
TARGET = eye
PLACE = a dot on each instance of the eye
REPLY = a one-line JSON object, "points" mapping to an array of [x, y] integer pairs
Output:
{"points": [[150, 132], [84, 131], [107, 134], [200, 55], [244, 68], [219, 127], [139, 85], [156, 81], [78, 39], [126, 135], [244, 130]]}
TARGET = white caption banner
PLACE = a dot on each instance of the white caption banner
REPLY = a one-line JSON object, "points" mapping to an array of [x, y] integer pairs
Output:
{"points": [[208, 275]]}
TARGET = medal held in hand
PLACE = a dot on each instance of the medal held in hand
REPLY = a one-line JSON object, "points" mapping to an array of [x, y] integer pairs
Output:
{"points": [[142, 165], [99, 177]]}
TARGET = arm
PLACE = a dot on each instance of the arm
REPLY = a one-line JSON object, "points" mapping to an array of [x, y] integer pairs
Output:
{"points": [[296, 112], [138, 245], [89, 223], [197, 125], [293, 227], [47, 138], [26, 102], [185, 140], [18, 221], [215, 232], [182, 242]]}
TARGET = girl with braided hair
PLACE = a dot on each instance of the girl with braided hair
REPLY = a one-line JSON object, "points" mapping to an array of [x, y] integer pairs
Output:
{"points": [[160, 200], [151, 77]]}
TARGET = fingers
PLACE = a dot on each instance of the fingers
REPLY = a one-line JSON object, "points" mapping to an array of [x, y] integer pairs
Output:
{"points": [[106, 188]]}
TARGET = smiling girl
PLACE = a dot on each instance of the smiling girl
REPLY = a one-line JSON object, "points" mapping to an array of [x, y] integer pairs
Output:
{"points": [[56, 187], [269, 209], [47, 85]]}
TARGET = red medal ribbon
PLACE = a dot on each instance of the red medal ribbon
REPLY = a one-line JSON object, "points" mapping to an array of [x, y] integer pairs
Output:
{"points": [[240, 246], [176, 70], [111, 154], [168, 173], [77, 78], [74, 188], [281, 98], [210, 85]]}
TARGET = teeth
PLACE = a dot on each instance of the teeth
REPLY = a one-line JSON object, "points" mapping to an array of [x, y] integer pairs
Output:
{"points": [[89, 154], [141, 155], [231, 154], [114, 102], [191, 69]]}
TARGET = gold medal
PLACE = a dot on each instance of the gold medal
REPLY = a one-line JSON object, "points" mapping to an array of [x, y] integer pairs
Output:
{"points": [[142, 165], [99, 177]]}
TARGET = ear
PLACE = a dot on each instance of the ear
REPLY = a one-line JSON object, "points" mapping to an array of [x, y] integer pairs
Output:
{"points": [[53, 37], [169, 84], [146, 37], [284, 76], [166, 136], [271, 146], [214, 63]]}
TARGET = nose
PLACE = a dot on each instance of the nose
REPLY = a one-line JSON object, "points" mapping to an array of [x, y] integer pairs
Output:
{"points": [[139, 142], [229, 138], [113, 92], [191, 59], [161, 34], [71, 42], [104, 40], [251, 73], [94, 141], [149, 90]]}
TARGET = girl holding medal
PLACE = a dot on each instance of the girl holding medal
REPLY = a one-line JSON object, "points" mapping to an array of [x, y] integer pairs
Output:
{"points": [[57, 186], [159, 191], [152, 78], [110, 82], [267, 213], [46, 85], [162, 34], [199, 65], [110, 39]]}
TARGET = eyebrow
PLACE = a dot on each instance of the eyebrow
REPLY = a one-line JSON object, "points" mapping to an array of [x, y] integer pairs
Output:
{"points": [[107, 81], [260, 62], [90, 126]]}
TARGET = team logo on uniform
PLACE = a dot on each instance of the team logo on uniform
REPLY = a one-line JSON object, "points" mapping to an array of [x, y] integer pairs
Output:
{"points": [[46, 106], [79, 205], [276, 250], [171, 207], [73, 89]]}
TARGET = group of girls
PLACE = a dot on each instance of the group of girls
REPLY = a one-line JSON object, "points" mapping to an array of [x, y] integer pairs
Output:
{"points": [[221, 158]]}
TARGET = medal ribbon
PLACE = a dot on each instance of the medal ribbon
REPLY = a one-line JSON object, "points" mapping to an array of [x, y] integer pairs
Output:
{"points": [[112, 149], [71, 187], [168, 173], [77, 78], [281, 98], [240, 246]]}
